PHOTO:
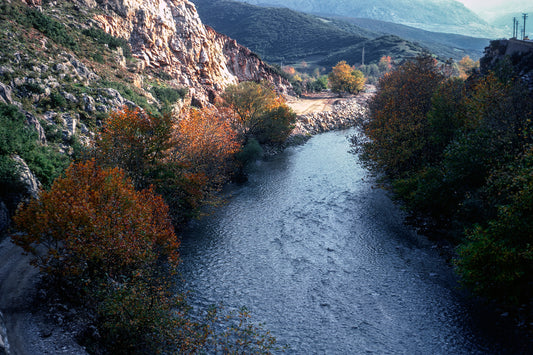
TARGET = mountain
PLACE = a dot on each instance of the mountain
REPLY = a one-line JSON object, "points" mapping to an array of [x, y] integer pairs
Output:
{"points": [[445, 45], [277, 35], [447, 16], [284, 36]]}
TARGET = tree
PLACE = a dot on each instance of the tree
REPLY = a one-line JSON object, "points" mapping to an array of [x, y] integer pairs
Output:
{"points": [[398, 127], [496, 259], [184, 159], [136, 142], [465, 66], [93, 223], [344, 78], [204, 143], [385, 64], [259, 112]]}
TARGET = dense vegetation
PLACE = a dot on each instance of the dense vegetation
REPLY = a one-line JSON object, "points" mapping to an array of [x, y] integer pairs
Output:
{"points": [[460, 152], [17, 139]]}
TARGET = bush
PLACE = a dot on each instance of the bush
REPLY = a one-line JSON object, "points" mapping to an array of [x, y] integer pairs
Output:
{"points": [[92, 223], [168, 96], [250, 152], [112, 42], [50, 28], [344, 78], [16, 138], [259, 112]]}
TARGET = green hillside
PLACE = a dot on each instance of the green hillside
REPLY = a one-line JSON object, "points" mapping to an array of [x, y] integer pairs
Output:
{"points": [[284, 36], [446, 45]]}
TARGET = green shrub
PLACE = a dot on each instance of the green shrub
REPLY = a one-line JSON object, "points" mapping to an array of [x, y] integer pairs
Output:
{"points": [[51, 28], [168, 96], [250, 152], [16, 138], [129, 93], [112, 42]]}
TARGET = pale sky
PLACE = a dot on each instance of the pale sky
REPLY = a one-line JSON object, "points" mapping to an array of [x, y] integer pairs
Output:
{"points": [[481, 6]]}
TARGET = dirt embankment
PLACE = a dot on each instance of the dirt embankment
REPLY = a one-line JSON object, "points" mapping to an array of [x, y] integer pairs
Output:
{"points": [[27, 328]]}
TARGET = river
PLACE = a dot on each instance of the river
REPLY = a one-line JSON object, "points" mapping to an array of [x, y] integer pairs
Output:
{"points": [[322, 258]]}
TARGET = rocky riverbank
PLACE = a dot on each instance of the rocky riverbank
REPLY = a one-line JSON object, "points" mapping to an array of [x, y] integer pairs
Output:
{"points": [[344, 113]]}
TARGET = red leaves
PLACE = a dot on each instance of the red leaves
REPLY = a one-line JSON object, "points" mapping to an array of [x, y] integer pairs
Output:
{"points": [[94, 218]]}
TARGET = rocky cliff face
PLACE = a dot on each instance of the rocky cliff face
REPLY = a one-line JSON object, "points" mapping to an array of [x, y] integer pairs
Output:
{"points": [[169, 35]]}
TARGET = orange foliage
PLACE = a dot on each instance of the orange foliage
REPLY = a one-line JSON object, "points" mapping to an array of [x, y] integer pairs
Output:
{"points": [[289, 70], [134, 141], [204, 143], [465, 65], [93, 220], [344, 78], [385, 63]]}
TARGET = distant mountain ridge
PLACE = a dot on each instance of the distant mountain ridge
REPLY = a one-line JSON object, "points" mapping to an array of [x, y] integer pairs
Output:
{"points": [[448, 16], [284, 36], [443, 44]]}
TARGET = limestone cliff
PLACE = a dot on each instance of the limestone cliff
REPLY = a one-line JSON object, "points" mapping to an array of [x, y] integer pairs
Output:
{"points": [[169, 35]]}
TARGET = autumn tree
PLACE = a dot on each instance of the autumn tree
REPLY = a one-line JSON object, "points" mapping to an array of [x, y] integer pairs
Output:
{"points": [[397, 129], [345, 79], [466, 65], [93, 222], [135, 141], [204, 143], [385, 64], [259, 112], [183, 158]]}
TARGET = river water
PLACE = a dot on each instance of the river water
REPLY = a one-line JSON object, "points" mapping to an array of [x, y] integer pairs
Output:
{"points": [[322, 258]]}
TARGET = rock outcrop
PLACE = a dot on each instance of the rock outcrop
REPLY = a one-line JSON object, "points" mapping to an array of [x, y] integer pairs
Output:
{"points": [[169, 35]]}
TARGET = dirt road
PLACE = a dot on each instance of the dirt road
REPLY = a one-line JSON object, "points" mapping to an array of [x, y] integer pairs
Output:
{"points": [[313, 103]]}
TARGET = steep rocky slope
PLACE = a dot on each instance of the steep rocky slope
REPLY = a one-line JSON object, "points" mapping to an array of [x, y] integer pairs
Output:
{"points": [[67, 63], [168, 34]]}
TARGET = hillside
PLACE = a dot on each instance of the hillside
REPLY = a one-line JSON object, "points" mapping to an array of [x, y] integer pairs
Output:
{"points": [[286, 37], [446, 45], [283, 36], [435, 15], [277, 35], [65, 65]]}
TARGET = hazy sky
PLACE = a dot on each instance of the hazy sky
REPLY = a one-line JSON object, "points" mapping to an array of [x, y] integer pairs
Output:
{"points": [[500, 5]]}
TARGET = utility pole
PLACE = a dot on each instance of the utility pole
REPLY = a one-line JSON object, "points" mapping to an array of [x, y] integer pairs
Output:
{"points": [[524, 33], [515, 27], [363, 57]]}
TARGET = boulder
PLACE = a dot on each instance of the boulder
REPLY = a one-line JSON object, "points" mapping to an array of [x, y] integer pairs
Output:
{"points": [[32, 121], [27, 178], [5, 94]]}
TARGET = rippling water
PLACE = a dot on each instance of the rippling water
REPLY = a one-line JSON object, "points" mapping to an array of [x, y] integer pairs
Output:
{"points": [[323, 259]]}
